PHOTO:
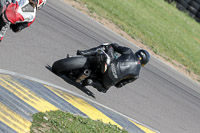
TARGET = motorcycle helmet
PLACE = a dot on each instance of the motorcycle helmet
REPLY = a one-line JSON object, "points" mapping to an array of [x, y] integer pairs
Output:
{"points": [[143, 56], [40, 4]]}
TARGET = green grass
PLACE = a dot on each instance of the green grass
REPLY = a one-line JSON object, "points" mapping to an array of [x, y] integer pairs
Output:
{"points": [[159, 25], [63, 122]]}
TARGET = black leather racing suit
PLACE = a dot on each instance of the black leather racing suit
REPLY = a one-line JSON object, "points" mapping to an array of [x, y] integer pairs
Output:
{"points": [[123, 70]]}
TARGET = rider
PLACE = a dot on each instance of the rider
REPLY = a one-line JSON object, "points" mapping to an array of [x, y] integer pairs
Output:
{"points": [[122, 70], [18, 14]]}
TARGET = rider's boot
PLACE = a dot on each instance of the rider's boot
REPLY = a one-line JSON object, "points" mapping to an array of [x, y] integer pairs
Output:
{"points": [[87, 82], [99, 86], [95, 84], [3, 30]]}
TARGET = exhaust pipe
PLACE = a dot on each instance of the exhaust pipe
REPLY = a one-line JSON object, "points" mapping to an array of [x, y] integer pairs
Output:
{"points": [[86, 73]]}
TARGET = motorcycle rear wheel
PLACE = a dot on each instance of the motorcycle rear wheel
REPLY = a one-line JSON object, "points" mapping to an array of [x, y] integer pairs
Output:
{"points": [[68, 64]]}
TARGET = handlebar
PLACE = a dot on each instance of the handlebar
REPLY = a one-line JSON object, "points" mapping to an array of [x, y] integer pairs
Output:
{"points": [[102, 51]]}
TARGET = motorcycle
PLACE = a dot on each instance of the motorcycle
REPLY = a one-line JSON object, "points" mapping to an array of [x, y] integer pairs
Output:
{"points": [[3, 24], [79, 68]]}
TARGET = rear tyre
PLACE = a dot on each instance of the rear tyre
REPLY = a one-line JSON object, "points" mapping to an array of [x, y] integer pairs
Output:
{"points": [[182, 4], [192, 11], [198, 1], [197, 17], [68, 64], [194, 4]]}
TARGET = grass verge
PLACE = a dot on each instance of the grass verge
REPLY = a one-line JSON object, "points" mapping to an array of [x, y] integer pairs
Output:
{"points": [[163, 28], [63, 122]]}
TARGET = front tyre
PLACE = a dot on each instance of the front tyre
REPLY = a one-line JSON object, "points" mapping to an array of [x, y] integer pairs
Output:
{"points": [[68, 64]]}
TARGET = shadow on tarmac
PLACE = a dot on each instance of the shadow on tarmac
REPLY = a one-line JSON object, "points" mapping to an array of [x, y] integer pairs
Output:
{"points": [[71, 82]]}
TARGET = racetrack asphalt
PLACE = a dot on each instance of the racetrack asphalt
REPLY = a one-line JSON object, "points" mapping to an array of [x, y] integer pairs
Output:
{"points": [[161, 98]]}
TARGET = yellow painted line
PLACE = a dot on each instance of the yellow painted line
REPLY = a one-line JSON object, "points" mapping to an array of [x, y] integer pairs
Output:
{"points": [[25, 94], [83, 106], [13, 120], [143, 128]]}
